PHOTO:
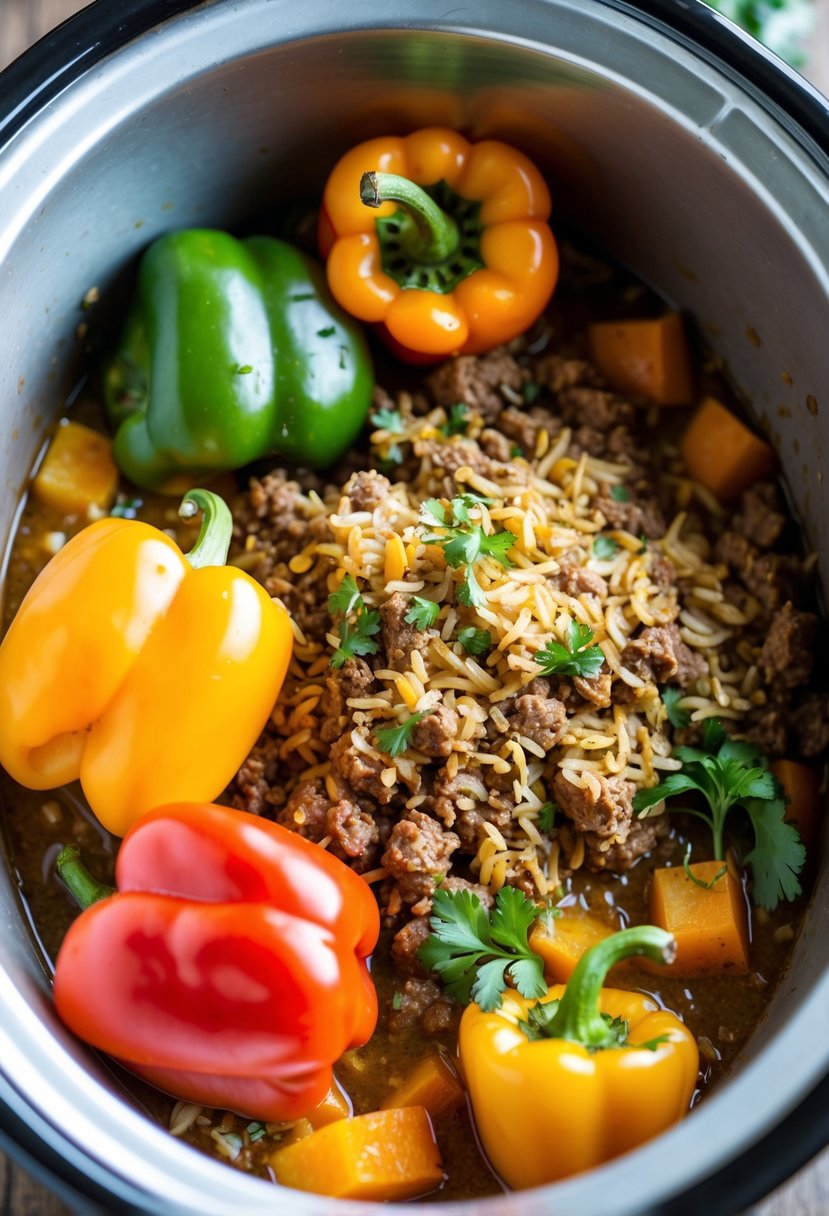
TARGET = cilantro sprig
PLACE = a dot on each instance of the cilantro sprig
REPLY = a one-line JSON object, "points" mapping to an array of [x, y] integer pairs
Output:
{"points": [[577, 658], [393, 740], [605, 547], [474, 641], [731, 774], [474, 951], [423, 613], [388, 420], [679, 718], [357, 635], [464, 541], [457, 420]]}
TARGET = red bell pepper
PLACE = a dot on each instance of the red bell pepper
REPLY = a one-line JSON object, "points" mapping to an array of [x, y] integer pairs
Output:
{"points": [[230, 966]]}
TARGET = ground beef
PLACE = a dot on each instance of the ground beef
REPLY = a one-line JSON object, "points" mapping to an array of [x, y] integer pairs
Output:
{"points": [[639, 518], [759, 518], [524, 426], [418, 855], [400, 637], [476, 380], [541, 719], [447, 790], [454, 454], [251, 786], [353, 832], [306, 811], [810, 725], [662, 570], [442, 1016], [577, 580], [470, 822], [643, 836], [359, 770], [595, 408], [596, 690], [462, 884], [767, 728], [275, 508], [658, 655], [353, 680], [787, 655], [496, 445], [609, 814], [772, 578], [411, 1001], [406, 943], [557, 373], [367, 489], [435, 734]]}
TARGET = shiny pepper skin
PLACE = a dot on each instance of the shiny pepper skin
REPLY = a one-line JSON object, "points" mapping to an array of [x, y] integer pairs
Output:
{"points": [[230, 967], [146, 679], [518, 257]]}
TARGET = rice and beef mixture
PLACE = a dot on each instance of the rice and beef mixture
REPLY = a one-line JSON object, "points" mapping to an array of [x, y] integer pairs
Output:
{"points": [[513, 506]]}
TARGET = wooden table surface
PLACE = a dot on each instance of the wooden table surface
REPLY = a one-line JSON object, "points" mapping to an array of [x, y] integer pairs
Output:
{"points": [[807, 1194]]}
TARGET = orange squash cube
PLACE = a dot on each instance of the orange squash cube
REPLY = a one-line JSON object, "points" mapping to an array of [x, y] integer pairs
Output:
{"points": [[801, 785], [722, 454], [78, 471], [645, 358], [564, 941], [433, 1084], [710, 924]]}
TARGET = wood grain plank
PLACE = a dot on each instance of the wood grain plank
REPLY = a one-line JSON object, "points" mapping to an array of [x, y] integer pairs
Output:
{"points": [[22, 22]]}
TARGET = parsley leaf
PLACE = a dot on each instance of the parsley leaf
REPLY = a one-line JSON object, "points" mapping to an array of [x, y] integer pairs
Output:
{"points": [[679, 718], [388, 420], [433, 513], [357, 638], [474, 641], [530, 391], [620, 493], [423, 613], [515, 450], [474, 952], [604, 547], [578, 658], [346, 598], [457, 420], [546, 815], [728, 773], [465, 542], [393, 740]]}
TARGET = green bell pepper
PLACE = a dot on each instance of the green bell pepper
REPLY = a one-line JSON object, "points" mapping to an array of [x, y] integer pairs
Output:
{"points": [[232, 350]]}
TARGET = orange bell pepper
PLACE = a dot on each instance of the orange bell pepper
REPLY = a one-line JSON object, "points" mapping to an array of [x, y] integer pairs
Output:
{"points": [[563, 1084], [144, 673], [460, 257]]}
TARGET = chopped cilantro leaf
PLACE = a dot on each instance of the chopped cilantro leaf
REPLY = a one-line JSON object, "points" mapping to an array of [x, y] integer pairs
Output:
{"points": [[578, 658], [679, 718], [255, 1131], [433, 513], [474, 952], [243, 369], [546, 815], [457, 420], [387, 420], [530, 391], [327, 332], [728, 773], [393, 740], [643, 544], [620, 493], [346, 598], [515, 450], [397, 1000], [356, 639], [474, 641], [423, 613], [604, 547], [471, 593], [126, 508]]}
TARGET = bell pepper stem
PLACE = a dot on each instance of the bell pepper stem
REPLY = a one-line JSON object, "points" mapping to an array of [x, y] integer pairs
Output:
{"points": [[435, 235], [84, 889], [213, 541], [578, 1017]]}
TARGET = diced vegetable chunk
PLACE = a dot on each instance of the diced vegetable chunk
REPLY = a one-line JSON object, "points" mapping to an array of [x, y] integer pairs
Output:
{"points": [[645, 358], [710, 924], [801, 785], [386, 1155], [335, 1105], [722, 454], [433, 1084], [562, 943], [78, 471]]}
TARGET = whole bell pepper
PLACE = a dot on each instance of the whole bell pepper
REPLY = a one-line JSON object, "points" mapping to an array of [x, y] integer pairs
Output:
{"points": [[444, 243], [230, 967], [565, 1083], [233, 350], [144, 673]]}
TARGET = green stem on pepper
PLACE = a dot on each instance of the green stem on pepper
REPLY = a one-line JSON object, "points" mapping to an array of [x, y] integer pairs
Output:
{"points": [[214, 537], [434, 235], [84, 889], [576, 1016]]}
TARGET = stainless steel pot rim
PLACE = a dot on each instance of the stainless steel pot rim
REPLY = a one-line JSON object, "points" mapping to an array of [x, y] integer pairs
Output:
{"points": [[60, 61]]}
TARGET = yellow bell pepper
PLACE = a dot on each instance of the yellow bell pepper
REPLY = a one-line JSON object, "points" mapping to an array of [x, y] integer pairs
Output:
{"points": [[562, 1084], [144, 673]]}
